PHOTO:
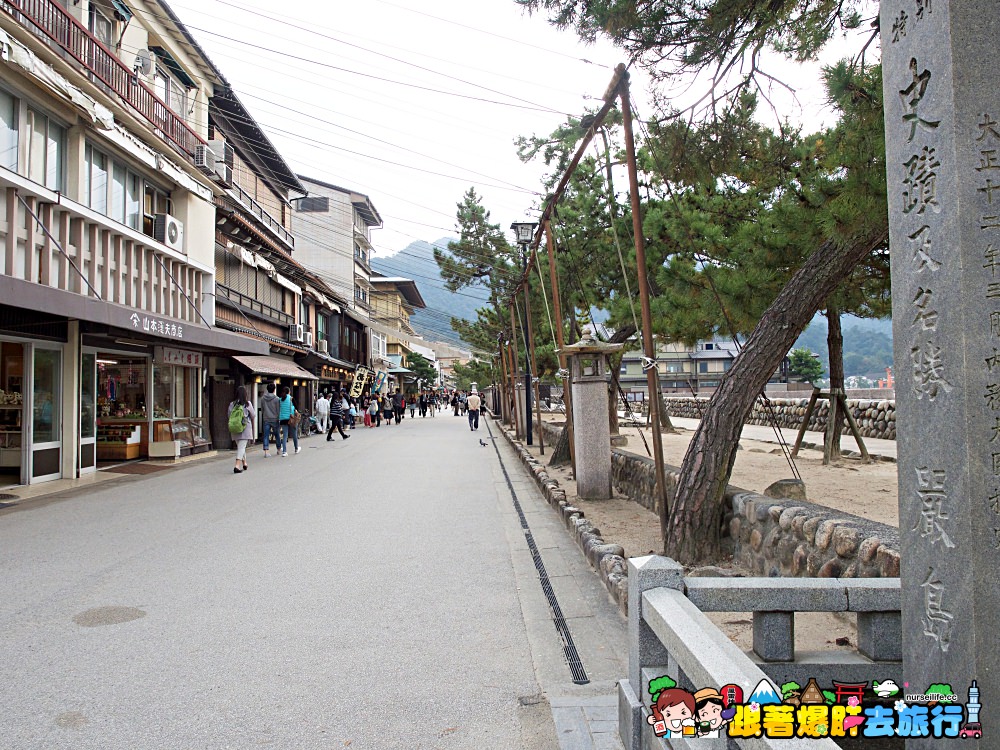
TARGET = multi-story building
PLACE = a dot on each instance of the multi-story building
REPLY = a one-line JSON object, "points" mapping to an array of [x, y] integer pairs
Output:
{"points": [[685, 370], [333, 229], [393, 300], [107, 224]]}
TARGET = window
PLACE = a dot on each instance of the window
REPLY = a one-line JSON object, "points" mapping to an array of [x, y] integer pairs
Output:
{"points": [[703, 367], [313, 204], [45, 145], [120, 194], [8, 131], [155, 201], [623, 370], [101, 26], [320, 327], [709, 347], [97, 179]]}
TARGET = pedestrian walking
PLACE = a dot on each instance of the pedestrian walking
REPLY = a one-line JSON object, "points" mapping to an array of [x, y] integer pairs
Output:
{"points": [[432, 404], [352, 412], [474, 404], [322, 411], [286, 418], [454, 402], [368, 412], [387, 409], [398, 405], [413, 406], [422, 405], [374, 413], [337, 417], [241, 426], [269, 409], [463, 402]]}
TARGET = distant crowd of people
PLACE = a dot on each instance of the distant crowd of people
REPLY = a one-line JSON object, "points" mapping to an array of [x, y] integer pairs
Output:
{"points": [[334, 410]]}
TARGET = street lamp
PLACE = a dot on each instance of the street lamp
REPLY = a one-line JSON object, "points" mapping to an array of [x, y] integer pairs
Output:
{"points": [[524, 231]]}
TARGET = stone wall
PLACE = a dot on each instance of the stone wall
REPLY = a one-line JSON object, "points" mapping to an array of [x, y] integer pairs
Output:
{"points": [[876, 419], [776, 538], [770, 537]]}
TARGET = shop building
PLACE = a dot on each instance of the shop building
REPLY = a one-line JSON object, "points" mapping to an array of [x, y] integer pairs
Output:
{"points": [[107, 217]]}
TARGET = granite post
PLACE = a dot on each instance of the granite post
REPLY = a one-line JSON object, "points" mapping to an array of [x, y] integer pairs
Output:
{"points": [[942, 118], [588, 362]]}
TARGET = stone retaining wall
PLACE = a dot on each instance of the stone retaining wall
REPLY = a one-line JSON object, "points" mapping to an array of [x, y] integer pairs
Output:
{"points": [[772, 537], [777, 538], [876, 419]]}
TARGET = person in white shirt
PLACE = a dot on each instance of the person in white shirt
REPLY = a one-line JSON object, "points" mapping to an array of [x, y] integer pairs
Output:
{"points": [[322, 411], [473, 402]]}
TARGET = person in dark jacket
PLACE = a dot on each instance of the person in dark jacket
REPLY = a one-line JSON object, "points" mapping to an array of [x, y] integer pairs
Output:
{"points": [[337, 416], [270, 405]]}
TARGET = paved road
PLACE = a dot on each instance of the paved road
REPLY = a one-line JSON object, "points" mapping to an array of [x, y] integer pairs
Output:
{"points": [[373, 593]]}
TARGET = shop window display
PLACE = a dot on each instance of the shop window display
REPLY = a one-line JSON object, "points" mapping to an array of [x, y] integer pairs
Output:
{"points": [[121, 388], [11, 405]]}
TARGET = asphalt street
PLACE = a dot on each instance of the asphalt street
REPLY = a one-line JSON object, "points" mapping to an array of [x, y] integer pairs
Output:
{"points": [[369, 593]]}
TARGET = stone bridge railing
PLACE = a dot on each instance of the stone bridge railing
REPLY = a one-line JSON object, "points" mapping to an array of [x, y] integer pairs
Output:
{"points": [[669, 634]]}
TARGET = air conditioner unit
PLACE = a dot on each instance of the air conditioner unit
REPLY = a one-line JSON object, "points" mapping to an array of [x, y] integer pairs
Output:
{"points": [[169, 231], [309, 339], [223, 151], [296, 333], [223, 174], [204, 159], [323, 346]]}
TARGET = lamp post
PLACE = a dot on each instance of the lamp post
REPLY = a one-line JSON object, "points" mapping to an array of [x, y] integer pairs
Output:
{"points": [[524, 231]]}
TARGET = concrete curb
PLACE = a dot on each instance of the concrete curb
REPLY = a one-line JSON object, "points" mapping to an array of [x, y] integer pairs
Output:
{"points": [[607, 559]]}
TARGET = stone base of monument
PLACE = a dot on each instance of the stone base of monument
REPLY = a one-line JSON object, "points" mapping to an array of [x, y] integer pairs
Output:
{"points": [[619, 440], [787, 489]]}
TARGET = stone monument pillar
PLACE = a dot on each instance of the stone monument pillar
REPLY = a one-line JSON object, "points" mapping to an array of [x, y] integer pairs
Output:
{"points": [[942, 118], [588, 364]]}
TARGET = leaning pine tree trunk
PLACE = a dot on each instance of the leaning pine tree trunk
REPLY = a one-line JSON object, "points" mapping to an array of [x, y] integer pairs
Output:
{"points": [[692, 533], [835, 349]]}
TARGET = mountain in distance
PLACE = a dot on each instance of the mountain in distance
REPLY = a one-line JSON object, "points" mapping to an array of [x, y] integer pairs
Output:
{"points": [[416, 261], [867, 344]]}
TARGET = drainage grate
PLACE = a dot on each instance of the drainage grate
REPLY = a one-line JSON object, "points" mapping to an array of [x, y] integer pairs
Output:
{"points": [[562, 627], [8, 496]]}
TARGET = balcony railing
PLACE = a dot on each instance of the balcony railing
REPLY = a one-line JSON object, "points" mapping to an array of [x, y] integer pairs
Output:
{"points": [[263, 216], [250, 303], [52, 23]]}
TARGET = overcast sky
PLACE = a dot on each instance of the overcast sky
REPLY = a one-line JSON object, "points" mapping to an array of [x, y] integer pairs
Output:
{"points": [[343, 89]]}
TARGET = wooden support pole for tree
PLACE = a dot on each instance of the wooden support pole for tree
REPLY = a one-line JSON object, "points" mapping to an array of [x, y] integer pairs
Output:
{"points": [[854, 429], [534, 367], [560, 339], [503, 379], [647, 316], [831, 428], [805, 422], [513, 336]]}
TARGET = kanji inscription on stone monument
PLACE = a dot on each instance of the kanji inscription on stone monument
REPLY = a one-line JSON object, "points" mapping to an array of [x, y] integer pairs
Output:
{"points": [[942, 119]]}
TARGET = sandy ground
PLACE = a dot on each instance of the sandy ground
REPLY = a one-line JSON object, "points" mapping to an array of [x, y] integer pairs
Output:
{"points": [[848, 485]]}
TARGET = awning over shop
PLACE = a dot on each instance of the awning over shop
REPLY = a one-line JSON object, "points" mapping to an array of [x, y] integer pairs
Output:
{"points": [[275, 366]]}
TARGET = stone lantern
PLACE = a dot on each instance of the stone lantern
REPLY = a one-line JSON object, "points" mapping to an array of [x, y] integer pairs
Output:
{"points": [[590, 375]]}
